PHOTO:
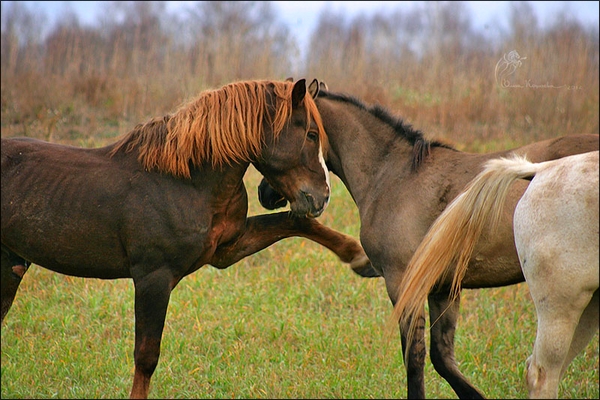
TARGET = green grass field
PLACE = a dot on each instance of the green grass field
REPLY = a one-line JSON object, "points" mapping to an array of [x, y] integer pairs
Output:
{"points": [[289, 322]]}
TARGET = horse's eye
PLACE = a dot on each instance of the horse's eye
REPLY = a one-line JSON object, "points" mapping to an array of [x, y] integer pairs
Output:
{"points": [[312, 136]]}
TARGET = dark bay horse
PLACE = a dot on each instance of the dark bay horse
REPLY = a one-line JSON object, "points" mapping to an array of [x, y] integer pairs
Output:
{"points": [[400, 182], [167, 199]]}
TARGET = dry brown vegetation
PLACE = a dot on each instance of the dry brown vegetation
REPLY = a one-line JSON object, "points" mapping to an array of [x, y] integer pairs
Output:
{"points": [[87, 84]]}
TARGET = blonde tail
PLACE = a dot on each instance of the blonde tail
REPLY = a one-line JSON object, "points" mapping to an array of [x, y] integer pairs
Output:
{"points": [[452, 237]]}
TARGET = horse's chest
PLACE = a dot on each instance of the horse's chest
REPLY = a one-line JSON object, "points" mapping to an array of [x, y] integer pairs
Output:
{"points": [[387, 244]]}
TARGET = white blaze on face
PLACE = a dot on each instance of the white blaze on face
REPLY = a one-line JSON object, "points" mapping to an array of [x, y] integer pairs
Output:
{"points": [[326, 171]]}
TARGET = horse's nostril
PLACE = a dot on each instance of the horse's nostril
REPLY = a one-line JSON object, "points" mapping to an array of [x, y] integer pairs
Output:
{"points": [[315, 209]]}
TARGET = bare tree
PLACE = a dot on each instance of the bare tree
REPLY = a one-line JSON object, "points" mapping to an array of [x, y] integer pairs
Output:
{"points": [[237, 39], [22, 30]]}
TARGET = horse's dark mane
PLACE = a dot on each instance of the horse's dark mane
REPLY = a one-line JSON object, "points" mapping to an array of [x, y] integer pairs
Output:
{"points": [[421, 145]]}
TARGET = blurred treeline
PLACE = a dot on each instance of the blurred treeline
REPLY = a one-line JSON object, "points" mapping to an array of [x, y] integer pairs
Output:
{"points": [[72, 82]]}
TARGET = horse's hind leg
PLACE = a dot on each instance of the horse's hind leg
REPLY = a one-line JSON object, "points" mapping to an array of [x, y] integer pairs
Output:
{"points": [[13, 269], [587, 327], [558, 319], [152, 294], [443, 316]]}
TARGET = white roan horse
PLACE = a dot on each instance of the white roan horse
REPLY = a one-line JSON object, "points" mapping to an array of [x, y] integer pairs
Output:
{"points": [[556, 234]]}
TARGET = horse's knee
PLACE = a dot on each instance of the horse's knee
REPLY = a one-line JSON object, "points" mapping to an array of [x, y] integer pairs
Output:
{"points": [[443, 314], [415, 373], [441, 352], [146, 356], [533, 377]]}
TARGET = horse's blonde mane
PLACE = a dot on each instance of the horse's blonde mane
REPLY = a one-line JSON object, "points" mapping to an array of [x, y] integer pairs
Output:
{"points": [[222, 126]]}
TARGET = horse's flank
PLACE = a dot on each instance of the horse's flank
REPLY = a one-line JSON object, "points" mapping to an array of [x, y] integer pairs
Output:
{"points": [[222, 126]]}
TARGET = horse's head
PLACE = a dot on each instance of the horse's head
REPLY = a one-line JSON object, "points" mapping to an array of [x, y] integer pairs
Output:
{"points": [[268, 197], [292, 160]]}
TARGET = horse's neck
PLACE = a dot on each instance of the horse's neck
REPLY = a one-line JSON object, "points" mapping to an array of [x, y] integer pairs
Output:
{"points": [[223, 181], [361, 147]]}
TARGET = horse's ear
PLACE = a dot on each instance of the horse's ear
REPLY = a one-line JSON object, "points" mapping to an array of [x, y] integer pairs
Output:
{"points": [[290, 79], [323, 86], [313, 88], [298, 92]]}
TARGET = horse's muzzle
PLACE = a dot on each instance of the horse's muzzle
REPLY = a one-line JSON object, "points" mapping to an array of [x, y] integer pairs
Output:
{"points": [[309, 205]]}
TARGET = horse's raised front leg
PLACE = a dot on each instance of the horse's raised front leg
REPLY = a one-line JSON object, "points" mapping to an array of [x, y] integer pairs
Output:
{"points": [[270, 199], [443, 316], [152, 293], [13, 269], [262, 231]]}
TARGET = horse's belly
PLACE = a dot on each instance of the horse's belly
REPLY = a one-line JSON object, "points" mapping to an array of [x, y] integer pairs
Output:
{"points": [[84, 256], [493, 272], [495, 261], [77, 245]]}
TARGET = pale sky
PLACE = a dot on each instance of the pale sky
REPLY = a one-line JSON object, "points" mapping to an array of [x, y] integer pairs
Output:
{"points": [[301, 16]]}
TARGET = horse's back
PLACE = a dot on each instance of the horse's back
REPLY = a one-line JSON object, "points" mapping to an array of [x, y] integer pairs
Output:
{"points": [[55, 198], [564, 146], [22, 156], [32, 167], [14, 146], [12, 149]]}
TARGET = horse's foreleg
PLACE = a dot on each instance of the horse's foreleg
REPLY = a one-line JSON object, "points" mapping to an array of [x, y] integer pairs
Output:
{"points": [[13, 269], [414, 359], [443, 316], [262, 231], [152, 293], [271, 200], [415, 352]]}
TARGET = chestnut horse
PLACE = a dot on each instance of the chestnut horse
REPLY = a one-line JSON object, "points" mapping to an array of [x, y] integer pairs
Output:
{"points": [[167, 199], [401, 182], [556, 236]]}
